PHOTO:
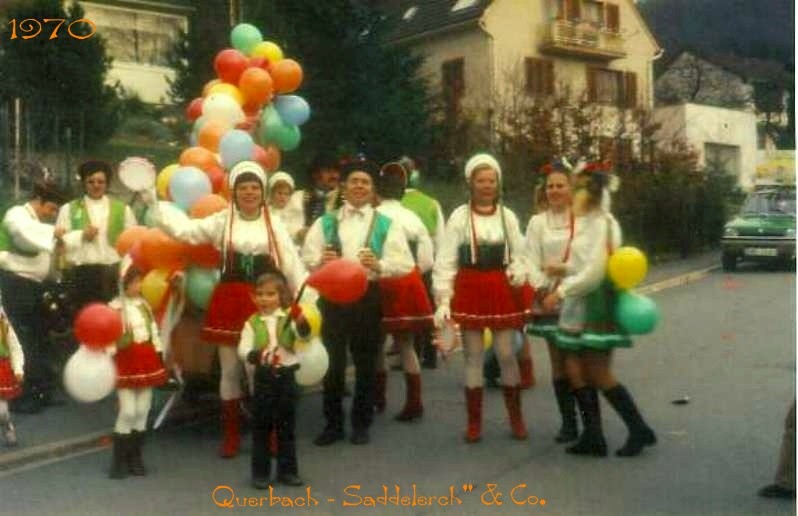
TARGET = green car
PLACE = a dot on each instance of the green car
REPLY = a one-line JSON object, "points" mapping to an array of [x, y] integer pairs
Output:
{"points": [[764, 231]]}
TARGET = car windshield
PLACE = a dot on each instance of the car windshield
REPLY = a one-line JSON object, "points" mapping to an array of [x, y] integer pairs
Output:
{"points": [[770, 203]]}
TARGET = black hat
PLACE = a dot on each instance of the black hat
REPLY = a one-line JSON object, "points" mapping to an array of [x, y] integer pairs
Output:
{"points": [[392, 180], [358, 163], [48, 191], [90, 167]]}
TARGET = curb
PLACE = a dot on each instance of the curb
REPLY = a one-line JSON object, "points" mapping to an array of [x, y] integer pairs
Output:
{"points": [[676, 281]]}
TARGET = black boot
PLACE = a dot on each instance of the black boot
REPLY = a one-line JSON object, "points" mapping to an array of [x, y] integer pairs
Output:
{"points": [[640, 434], [135, 465], [591, 442], [118, 454], [567, 405]]}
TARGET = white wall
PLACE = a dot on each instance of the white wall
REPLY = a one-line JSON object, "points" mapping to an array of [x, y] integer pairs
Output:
{"points": [[698, 124]]}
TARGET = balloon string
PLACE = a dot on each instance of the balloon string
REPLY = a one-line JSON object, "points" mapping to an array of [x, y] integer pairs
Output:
{"points": [[296, 300]]}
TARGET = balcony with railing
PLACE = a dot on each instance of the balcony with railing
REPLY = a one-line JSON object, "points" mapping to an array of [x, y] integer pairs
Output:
{"points": [[584, 39]]}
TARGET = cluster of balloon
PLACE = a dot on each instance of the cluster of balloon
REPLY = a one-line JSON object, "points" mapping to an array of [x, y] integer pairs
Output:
{"points": [[635, 313], [89, 374], [247, 113]]}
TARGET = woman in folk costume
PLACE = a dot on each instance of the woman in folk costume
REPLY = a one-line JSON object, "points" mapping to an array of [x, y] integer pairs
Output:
{"points": [[12, 363], [548, 238], [252, 243], [476, 280], [587, 331], [406, 308], [139, 368], [284, 205], [91, 226], [355, 232]]}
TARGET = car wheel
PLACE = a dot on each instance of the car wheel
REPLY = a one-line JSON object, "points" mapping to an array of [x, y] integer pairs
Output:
{"points": [[729, 262]]}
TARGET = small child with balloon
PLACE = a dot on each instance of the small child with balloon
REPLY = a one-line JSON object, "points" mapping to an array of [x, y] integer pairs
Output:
{"points": [[267, 342], [12, 362], [139, 369]]}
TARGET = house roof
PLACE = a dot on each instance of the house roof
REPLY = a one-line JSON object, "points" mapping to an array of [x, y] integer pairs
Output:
{"points": [[430, 16]]}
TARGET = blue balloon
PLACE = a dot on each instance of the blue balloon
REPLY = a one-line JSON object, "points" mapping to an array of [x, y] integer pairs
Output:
{"points": [[187, 185], [235, 146], [293, 109], [636, 314], [200, 284]]}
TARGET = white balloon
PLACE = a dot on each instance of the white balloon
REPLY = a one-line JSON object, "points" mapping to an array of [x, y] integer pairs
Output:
{"points": [[89, 375], [219, 106], [313, 363]]}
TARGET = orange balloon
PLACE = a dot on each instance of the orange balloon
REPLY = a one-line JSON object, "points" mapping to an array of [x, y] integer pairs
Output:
{"points": [[211, 133], [286, 75], [225, 191], [256, 85], [128, 237], [207, 205], [162, 251], [208, 85], [268, 157], [204, 255], [199, 157]]}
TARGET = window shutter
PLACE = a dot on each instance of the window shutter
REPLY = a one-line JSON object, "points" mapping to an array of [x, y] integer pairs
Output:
{"points": [[573, 9], [592, 94], [613, 17], [630, 90]]}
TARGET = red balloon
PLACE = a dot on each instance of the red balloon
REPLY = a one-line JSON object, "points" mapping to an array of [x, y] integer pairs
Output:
{"points": [[340, 281], [194, 109], [229, 65], [162, 251], [268, 157], [216, 175], [258, 62], [98, 326], [204, 255], [128, 238], [136, 254]]}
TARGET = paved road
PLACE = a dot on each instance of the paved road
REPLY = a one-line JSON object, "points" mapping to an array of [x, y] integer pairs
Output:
{"points": [[727, 342]]}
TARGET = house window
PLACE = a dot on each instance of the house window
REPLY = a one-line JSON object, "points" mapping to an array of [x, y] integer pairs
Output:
{"points": [[613, 17], [612, 87], [569, 9], [720, 157], [593, 12], [539, 76], [453, 85]]}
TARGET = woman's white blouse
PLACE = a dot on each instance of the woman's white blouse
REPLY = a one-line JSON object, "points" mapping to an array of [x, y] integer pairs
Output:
{"points": [[547, 237], [415, 230]]}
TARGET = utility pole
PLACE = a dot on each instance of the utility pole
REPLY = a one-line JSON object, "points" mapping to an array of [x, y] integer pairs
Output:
{"points": [[236, 14]]}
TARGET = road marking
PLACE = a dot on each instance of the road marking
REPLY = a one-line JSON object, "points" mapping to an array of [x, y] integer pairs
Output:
{"points": [[677, 281]]}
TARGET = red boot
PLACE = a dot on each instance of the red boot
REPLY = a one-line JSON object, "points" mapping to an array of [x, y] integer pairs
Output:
{"points": [[527, 368], [474, 406], [231, 418], [512, 400], [380, 385], [413, 408], [274, 444]]}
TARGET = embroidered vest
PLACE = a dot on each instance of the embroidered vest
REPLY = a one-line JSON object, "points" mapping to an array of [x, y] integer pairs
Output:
{"points": [[4, 351], [424, 206], [285, 334], [127, 337], [78, 217], [377, 234]]}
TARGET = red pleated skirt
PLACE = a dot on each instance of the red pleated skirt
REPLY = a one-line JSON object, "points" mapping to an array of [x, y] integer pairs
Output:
{"points": [[138, 366], [405, 304], [485, 299], [9, 386], [229, 308]]}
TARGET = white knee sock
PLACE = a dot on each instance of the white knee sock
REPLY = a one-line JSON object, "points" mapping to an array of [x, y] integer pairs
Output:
{"points": [[408, 353], [5, 416], [230, 383], [143, 404], [126, 418], [503, 347], [474, 350]]}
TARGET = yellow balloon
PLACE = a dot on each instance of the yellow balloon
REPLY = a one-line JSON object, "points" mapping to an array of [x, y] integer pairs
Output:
{"points": [[269, 50], [627, 267], [162, 181], [228, 89], [313, 317], [487, 338], [154, 287]]}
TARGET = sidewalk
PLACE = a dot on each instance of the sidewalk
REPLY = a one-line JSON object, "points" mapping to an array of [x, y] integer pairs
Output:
{"points": [[75, 426]]}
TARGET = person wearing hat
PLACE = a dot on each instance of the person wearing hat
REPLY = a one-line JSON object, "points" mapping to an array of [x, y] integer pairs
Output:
{"points": [[429, 211], [251, 244], [357, 232], [406, 309], [324, 194], [477, 277], [587, 332], [91, 225], [139, 368], [284, 205], [27, 242]]}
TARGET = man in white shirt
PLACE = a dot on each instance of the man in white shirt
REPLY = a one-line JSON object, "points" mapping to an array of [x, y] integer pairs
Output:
{"points": [[27, 240], [91, 225], [355, 232]]}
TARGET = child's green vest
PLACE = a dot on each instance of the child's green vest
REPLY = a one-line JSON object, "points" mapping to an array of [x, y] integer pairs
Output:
{"points": [[285, 333]]}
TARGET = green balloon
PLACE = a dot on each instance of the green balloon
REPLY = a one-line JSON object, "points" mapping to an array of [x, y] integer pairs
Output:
{"points": [[275, 131], [245, 37], [200, 284], [636, 314]]}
